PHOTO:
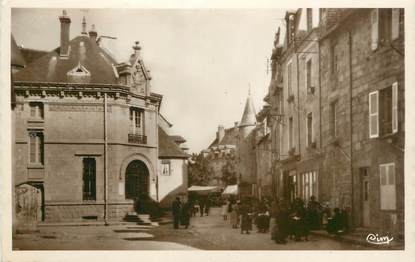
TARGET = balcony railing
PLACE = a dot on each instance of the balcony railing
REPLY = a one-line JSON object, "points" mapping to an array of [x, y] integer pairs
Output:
{"points": [[137, 139]]}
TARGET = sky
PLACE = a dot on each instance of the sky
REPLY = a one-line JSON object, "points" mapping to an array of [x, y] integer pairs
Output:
{"points": [[203, 61]]}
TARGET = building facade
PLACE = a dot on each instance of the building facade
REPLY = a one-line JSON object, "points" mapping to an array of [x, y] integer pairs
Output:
{"points": [[86, 133], [222, 152], [337, 113]]}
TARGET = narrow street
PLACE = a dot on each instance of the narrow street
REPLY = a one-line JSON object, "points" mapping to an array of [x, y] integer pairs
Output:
{"points": [[206, 233]]}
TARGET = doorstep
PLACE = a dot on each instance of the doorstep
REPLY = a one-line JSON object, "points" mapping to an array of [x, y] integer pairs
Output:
{"points": [[84, 223]]}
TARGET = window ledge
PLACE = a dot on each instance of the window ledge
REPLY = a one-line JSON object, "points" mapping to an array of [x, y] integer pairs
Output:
{"points": [[35, 166], [35, 120]]}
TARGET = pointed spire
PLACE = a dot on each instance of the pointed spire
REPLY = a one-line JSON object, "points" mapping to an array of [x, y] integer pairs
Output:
{"points": [[83, 26], [249, 115]]}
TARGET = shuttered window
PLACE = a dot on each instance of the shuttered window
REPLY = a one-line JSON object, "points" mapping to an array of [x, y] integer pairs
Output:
{"points": [[387, 186], [289, 79], [375, 28], [395, 23], [383, 111], [374, 114]]}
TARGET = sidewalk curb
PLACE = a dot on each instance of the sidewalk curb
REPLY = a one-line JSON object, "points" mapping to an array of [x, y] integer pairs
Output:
{"points": [[351, 240]]}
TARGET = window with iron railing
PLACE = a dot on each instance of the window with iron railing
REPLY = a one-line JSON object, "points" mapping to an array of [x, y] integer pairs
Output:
{"points": [[136, 134]]}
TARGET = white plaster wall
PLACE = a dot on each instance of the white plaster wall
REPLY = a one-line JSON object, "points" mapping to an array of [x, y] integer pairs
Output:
{"points": [[176, 178]]}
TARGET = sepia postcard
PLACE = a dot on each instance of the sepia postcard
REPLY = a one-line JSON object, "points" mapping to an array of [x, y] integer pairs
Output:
{"points": [[276, 128]]}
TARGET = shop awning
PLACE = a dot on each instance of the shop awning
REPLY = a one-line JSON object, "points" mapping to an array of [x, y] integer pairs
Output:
{"points": [[202, 188], [231, 190]]}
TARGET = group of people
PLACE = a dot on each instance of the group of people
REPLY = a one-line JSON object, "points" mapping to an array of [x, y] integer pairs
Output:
{"points": [[285, 220], [181, 213], [243, 213]]}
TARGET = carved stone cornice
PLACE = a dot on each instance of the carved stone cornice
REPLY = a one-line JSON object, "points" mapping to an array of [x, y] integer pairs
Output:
{"points": [[54, 89]]}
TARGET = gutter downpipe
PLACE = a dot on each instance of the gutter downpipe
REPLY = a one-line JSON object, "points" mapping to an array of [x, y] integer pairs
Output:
{"points": [[105, 161], [319, 117], [157, 152], [298, 102], [351, 128]]}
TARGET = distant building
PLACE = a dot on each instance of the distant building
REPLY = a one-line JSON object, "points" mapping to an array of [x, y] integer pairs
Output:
{"points": [[221, 151]]}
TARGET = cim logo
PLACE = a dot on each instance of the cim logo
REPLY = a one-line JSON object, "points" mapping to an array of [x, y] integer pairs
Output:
{"points": [[377, 240]]}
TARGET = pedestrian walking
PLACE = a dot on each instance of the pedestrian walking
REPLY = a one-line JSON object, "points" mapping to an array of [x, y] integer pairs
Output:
{"points": [[201, 206], [176, 208], [207, 206], [246, 222], [233, 210], [313, 213], [225, 206], [185, 214], [282, 218]]}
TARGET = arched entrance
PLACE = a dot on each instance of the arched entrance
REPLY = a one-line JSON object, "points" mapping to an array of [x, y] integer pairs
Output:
{"points": [[137, 180]]}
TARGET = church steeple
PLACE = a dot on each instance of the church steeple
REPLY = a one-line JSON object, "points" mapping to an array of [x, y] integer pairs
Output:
{"points": [[249, 115]]}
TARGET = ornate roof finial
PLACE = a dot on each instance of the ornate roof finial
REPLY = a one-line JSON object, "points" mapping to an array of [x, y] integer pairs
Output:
{"points": [[83, 26]]}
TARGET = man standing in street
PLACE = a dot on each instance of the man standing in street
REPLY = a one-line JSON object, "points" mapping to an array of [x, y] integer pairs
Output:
{"points": [[176, 207]]}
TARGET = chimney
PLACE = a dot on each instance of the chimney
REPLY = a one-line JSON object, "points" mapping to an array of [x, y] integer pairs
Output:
{"points": [[65, 25], [93, 34], [221, 133], [83, 26], [236, 124]]}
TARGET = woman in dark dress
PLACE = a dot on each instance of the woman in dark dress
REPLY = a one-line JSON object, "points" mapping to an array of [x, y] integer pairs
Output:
{"points": [[246, 223], [185, 213], [283, 223]]}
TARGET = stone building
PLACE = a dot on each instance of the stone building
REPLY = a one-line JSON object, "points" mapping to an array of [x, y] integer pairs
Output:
{"points": [[263, 153], [222, 151], [245, 150], [363, 104], [86, 131], [337, 113], [295, 93]]}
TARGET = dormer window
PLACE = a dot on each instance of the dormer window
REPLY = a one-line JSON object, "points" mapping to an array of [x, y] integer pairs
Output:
{"points": [[79, 74]]}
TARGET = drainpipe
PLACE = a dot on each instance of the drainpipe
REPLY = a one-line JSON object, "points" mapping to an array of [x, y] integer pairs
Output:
{"points": [[298, 105], [351, 128], [157, 153], [105, 161], [320, 122]]}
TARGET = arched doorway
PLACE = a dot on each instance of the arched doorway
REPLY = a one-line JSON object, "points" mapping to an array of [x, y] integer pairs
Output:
{"points": [[136, 180]]}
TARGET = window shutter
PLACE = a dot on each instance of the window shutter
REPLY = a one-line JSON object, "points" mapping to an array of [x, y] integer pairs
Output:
{"points": [[395, 23], [373, 114], [395, 107], [375, 28], [387, 187]]}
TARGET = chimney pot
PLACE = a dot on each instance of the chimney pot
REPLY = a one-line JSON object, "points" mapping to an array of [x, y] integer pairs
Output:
{"points": [[93, 33], [65, 26], [220, 133]]}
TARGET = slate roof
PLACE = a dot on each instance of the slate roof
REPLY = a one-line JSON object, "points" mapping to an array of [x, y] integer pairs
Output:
{"points": [[53, 68], [249, 115], [229, 138], [31, 55], [16, 55], [168, 148]]}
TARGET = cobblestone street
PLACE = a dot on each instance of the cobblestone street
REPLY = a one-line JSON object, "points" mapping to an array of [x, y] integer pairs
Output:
{"points": [[206, 233]]}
